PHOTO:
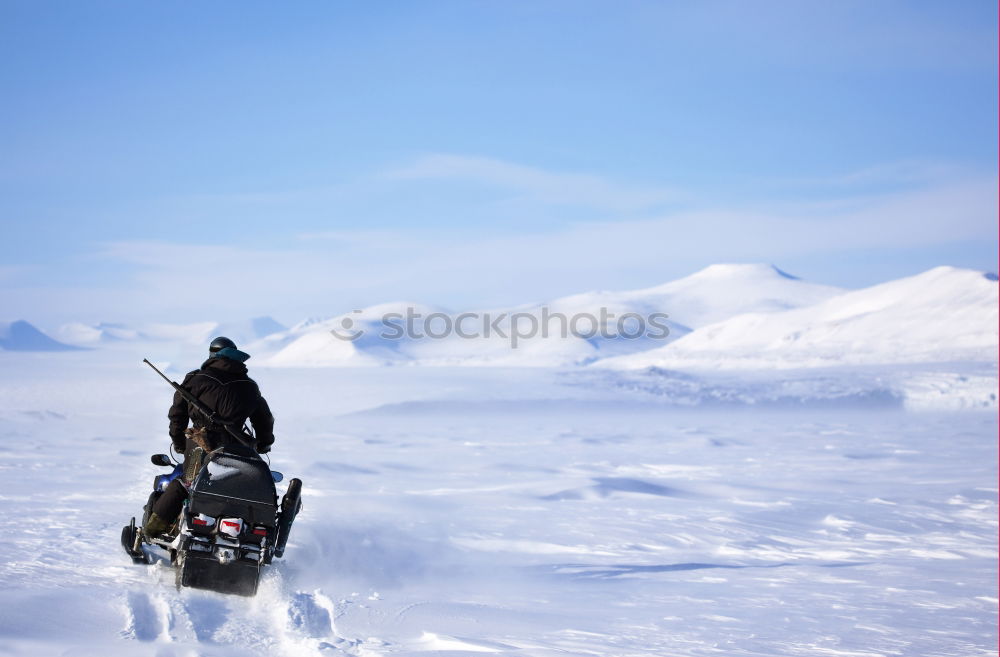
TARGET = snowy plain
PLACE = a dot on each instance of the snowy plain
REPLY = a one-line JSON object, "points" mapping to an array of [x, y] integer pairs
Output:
{"points": [[797, 470], [520, 511]]}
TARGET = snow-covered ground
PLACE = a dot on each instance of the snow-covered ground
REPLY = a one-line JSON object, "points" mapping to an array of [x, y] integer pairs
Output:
{"points": [[525, 511]]}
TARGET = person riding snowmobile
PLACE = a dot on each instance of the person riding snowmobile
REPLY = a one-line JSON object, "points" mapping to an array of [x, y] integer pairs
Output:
{"points": [[222, 384]]}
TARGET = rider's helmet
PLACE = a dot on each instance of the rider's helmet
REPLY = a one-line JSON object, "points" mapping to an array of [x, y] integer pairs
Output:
{"points": [[220, 343]]}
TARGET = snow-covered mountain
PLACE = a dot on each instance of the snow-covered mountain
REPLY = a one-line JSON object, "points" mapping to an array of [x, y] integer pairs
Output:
{"points": [[384, 339], [197, 333], [942, 314], [311, 343], [709, 295], [732, 315], [247, 331], [79, 333], [22, 336], [714, 293]]}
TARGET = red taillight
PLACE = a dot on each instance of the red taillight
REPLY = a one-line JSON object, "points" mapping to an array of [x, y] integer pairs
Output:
{"points": [[260, 531], [199, 521]]}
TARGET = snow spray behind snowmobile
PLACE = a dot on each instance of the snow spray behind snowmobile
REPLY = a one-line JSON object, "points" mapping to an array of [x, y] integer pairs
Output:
{"points": [[231, 524]]}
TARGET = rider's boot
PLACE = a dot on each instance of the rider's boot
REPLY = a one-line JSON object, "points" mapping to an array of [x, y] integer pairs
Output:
{"points": [[155, 526]]}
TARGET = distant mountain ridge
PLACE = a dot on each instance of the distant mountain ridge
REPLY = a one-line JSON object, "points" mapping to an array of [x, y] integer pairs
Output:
{"points": [[242, 332], [714, 293], [22, 336], [723, 316]]}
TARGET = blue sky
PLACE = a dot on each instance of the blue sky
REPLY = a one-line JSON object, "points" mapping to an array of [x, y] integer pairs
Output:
{"points": [[182, 161]]}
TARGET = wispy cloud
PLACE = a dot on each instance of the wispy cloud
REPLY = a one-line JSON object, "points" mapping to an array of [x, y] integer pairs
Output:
{"points": [[892, 175], [9, 273], [351, 238], [330, 271], [375, 266], [544, 186]]}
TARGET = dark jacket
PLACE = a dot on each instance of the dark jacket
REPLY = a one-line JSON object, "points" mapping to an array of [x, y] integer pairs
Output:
{"points": [[222, 384]]}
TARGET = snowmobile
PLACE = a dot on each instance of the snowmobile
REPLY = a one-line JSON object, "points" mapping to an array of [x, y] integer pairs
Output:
{"points": [[231, 525]]}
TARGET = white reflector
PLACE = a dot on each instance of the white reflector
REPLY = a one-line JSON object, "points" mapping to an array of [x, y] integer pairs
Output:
{"points": [[231, 526]]}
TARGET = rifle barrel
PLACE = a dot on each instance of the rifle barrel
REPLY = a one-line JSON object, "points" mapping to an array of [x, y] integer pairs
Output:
{"points": [[209, 414]]}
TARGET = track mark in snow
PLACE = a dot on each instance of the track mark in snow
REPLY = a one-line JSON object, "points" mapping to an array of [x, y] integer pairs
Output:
{"points": [[609, 571], [206, 615], [307, 626], [142, 618], [341, 468], [589, 571], [311, 614], [608, 486], [526, 547]]}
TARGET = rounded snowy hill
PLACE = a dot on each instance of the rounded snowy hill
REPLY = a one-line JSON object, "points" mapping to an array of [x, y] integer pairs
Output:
{"points": [[943, 314], [90, 334], [197, 333], [381, 340], [714, 293], [312, 342], [710, 295]]}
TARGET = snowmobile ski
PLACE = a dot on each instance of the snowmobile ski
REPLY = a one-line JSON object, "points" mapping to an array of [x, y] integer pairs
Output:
{"points": [[132, 542]]}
